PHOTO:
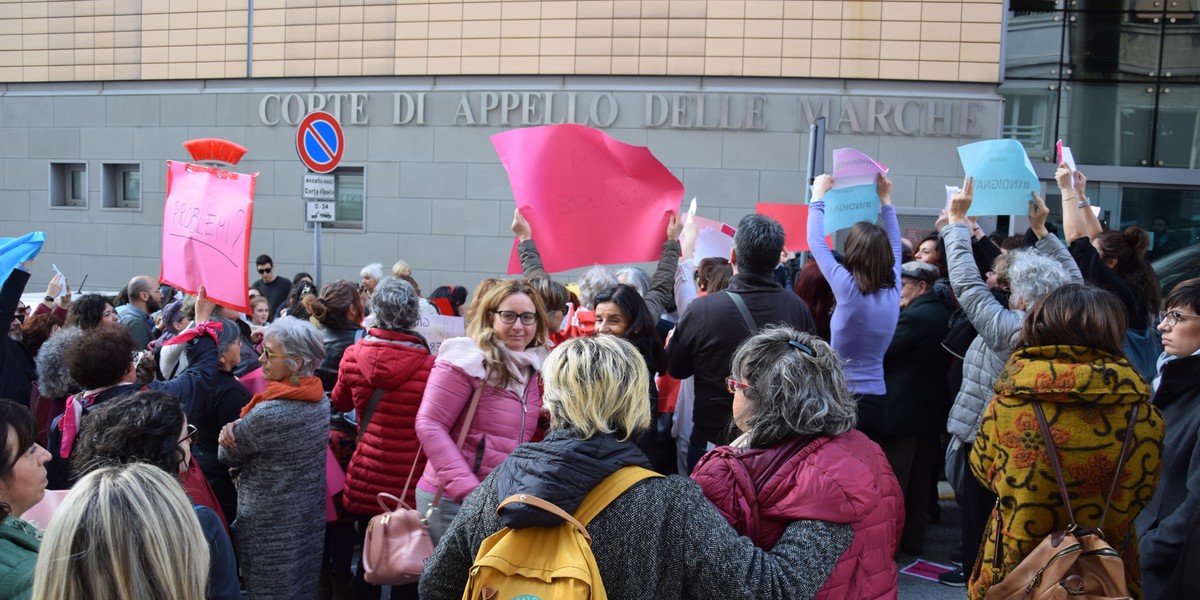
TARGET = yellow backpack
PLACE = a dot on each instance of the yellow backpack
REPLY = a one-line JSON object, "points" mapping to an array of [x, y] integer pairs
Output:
{"points": [[547, 563]]}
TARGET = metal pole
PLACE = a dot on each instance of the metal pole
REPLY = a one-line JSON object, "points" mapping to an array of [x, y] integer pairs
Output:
{"points": [[317, 253], [816, 155]]}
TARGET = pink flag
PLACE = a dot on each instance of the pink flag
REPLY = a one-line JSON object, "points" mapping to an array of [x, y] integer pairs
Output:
{"points": [[254, 381], [206, 232], [794, 218], [589, 198]]}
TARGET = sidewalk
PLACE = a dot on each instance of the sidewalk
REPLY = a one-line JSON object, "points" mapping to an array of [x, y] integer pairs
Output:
{"points": [[941, 540]]}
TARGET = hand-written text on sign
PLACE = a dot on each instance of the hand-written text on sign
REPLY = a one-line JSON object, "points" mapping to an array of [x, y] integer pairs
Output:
{"points": [[221, 232]]}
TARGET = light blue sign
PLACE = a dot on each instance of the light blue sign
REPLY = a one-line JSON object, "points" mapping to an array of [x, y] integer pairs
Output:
{"points": [[14, 251], [1003, 175], [846, 206]]}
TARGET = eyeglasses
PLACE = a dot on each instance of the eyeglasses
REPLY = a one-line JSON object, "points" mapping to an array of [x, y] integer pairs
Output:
{"points": [[267, 353], [734, 385], [509, 317], [264, 270], [191, 434], [1173, 317]]}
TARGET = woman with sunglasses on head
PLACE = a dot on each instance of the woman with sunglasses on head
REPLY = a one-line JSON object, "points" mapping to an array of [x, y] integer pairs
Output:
{"points": [[496, 368], [150, 427], [800, 458], [279, 444]]}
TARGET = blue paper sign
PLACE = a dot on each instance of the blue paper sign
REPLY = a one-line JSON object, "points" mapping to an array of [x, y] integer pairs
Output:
{"points": [[1003, 175], [846, 206], [14, 251]]}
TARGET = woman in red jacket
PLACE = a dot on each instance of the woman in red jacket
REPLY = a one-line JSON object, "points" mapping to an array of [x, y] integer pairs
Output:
{"points": [[801, 458], [382, 377]]}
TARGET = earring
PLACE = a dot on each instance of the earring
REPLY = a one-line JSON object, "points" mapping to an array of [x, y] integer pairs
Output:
{"points": [[295, 380]]}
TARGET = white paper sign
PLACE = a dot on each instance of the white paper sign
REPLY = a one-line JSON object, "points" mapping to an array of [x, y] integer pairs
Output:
{"points": [[951, 190], [63, 291], [713, 243], [439, 328]]}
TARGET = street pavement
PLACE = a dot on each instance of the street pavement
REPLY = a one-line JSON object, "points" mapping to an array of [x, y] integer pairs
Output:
{"points": [[942, 540]]}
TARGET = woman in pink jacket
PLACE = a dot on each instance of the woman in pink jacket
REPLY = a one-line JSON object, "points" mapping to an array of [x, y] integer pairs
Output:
{"points": [[801, 458], [501, 358]]}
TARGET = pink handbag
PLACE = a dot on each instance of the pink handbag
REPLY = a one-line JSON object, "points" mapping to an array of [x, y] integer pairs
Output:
{"points": [[396, 545], [397, 542]]}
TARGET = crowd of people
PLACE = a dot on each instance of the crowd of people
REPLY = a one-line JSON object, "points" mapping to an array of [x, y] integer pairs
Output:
{"points": [[797, 416]]}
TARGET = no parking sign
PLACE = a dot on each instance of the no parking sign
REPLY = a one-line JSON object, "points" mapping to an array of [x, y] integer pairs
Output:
{"points": [[319, 142]]}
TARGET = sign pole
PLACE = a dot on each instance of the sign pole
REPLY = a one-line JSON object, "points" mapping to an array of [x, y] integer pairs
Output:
{"points": [[320, 144], [317, 253]]}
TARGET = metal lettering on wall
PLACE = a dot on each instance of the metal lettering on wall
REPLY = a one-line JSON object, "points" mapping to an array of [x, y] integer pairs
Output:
{"points": [[875, 115]]}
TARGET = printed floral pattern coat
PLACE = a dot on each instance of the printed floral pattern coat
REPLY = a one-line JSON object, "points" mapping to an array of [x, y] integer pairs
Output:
{"points": [[1087, 396]]}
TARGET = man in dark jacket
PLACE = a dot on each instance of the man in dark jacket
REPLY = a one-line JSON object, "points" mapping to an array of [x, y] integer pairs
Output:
{"points": [[911, 416], [1164, 526], [17, 369], [714, 325]]}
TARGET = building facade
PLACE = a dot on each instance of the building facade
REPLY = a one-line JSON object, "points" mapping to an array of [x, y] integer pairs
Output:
{"points": [[95, 96]]}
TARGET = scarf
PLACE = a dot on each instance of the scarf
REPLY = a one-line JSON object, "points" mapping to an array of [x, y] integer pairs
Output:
{"points": [[518, 363], [309, 390]]}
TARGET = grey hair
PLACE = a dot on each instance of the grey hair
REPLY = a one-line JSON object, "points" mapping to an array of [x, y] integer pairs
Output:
{"points": [[635, 277], [300, 339], [395, 305], [375, 270], [792, 393], [54, 378], [1032, 275], [596, 280], [758, 242], [229, 334]]}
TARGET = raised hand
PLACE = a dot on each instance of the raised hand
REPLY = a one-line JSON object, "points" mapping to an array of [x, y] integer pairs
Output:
{"points": [[674, 227], [1038, 213], [883, 187], [822, 184], [521, 227], [960, 202]]}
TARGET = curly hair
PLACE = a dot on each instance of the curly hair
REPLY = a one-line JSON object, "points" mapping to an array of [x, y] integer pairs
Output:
{"points": [[144, 427], [87, 311], [36, 330], [1129, 248], [793, 393], [101, 358], [395, 305]]}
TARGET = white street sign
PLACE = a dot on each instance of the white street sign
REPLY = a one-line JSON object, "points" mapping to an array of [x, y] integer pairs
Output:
{"points": [[319, 212], [318, 187]]}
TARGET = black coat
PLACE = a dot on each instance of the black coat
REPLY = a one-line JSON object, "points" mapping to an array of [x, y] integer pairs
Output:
{"points": [[915, 369], [17, 369]]}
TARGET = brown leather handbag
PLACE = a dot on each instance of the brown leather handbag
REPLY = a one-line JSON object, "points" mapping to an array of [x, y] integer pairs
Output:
{"points": [[1074, 562]]}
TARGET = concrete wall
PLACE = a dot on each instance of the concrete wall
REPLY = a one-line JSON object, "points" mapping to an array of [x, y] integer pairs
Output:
{"points": [[436, 194]]}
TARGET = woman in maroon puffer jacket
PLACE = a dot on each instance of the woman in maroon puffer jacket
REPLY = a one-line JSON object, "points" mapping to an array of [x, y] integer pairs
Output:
{"points": [[801, 458], [392, 358]]}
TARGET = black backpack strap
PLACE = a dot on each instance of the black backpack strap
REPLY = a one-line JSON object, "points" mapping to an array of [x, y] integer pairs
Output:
{"points": [[745, 312], [372, 404]]}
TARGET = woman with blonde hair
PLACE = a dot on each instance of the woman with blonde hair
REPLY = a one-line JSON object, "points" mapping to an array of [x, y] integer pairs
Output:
{"points": [[123, 532], [490, 379], [659, 539]]}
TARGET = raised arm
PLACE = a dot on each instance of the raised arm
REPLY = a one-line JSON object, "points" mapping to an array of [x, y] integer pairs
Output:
{"points": [[1078, 218], [891, 224], [840, 279], [662, 285], [527, 252]]}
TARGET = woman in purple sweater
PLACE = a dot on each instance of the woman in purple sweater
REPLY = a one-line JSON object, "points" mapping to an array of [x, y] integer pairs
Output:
{"points": [[865, 285]]}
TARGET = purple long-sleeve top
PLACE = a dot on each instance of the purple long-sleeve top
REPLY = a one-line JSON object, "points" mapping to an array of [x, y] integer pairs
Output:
{"points": [[861, 327]]}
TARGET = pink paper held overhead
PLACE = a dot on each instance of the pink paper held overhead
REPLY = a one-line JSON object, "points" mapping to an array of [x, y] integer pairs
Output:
{"points": [[588, 198], [794, 218]]}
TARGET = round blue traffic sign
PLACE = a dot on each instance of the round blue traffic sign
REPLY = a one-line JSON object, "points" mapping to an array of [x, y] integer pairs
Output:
{"points": [[319, 142]]}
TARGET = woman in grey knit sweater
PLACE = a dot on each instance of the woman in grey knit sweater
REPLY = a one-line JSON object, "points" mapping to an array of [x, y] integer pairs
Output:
{"points": [[661, 539], [279, 445]]}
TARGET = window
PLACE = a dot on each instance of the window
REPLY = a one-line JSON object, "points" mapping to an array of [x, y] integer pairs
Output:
{"points": [[68, 185], [349, 203], [123, 186]]}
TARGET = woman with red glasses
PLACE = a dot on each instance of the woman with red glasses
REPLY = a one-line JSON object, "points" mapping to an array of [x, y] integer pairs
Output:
{"points": [[800, 458]]}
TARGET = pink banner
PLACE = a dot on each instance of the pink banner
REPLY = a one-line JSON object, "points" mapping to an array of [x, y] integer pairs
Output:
{"points": [[794, 218], [589, 198], [206, 232]]}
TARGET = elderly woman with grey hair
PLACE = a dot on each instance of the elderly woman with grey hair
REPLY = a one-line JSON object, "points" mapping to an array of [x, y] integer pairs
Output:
{"points": [[801, 458], [1031, 275], [382, 377], [278, 444]]}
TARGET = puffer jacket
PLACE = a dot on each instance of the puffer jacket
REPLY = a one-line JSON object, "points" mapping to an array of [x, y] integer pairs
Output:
{"points": [[399, 363], [997, 326], [842, 479], [503, 420], [19, 544]]}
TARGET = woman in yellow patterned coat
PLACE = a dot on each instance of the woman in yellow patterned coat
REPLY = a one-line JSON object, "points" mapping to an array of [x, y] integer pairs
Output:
{"points": [[1069, 360]]}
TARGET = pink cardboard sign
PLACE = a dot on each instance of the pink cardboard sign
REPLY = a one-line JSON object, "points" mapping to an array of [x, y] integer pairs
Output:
{"points": [[206, 232], [589, 198], [794, 218]]}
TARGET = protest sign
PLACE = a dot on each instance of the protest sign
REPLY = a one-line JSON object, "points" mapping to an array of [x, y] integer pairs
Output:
{"points": [[1065, 156], [62, 291], [794, 218], [853, 197], [438, 328], [206, 232], [14, 251], [589, 198], [714, 240], [1003, 176]]}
